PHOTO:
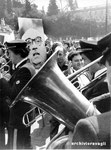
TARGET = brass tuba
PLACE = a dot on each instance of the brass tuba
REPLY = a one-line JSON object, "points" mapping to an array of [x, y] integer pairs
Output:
{"points": [[50, 90]]}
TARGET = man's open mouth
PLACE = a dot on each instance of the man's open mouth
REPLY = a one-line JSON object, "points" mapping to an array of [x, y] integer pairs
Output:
{"points": [[36, 54]]}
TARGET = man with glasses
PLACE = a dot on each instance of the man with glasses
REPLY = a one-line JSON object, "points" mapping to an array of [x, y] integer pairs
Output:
{"points": [[36, 44], [37, 56]]}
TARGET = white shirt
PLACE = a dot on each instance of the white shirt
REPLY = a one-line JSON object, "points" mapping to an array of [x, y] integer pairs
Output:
{"points": [[82, 79]]}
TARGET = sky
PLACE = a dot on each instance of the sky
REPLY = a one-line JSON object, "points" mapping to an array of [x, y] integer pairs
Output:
{"points": [[81, 3]]}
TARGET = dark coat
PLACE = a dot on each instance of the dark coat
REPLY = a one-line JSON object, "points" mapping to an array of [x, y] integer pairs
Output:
{"points": [[93, 132], [98, 89], [10, 90]]}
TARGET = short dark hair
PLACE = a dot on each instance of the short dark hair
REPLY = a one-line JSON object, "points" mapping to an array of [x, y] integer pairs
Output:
{"points": [[74, 53]]}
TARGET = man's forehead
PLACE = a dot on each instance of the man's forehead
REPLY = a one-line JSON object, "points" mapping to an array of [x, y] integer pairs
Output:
{"points": [[77, 57], [33, 33]]}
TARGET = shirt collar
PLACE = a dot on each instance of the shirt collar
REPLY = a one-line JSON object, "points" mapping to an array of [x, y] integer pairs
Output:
{"points": [[18, 64]]}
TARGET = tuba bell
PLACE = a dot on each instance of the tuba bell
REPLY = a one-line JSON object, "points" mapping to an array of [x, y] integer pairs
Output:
{"points": [[51, 91]]}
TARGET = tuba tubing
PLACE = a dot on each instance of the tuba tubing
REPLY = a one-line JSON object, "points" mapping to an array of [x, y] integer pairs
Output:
{"points": [[50, 90], [28, 118]]}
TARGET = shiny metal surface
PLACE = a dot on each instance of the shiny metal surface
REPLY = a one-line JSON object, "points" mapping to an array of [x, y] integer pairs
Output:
{"points": [[5, 68], [30, 117], [50, 90]]}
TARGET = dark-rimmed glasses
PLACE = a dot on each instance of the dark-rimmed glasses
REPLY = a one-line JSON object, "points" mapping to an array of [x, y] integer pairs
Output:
{"points": [[37, 40]]}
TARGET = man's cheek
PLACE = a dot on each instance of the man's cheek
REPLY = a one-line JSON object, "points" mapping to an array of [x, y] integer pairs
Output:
{"points": [[31, 53]]}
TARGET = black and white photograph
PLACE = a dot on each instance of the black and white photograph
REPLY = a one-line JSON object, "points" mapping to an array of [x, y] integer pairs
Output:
{"points": [[55, 74]]}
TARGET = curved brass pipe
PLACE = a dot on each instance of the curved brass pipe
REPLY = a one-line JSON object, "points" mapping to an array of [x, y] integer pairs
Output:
{"points": [[28, 118]]}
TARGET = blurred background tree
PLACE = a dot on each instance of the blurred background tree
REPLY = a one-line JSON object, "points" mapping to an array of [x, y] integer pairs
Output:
{"points": [[52, 8], [2, 8], [58, 21]]}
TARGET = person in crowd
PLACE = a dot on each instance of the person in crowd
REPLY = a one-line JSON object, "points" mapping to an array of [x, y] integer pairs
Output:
{"points": [[18, 134], [48, 44], [98, 85], [66, 45], [38, 55], [61, 59], [37, 50], [95, 69], [61, 55], [94, 132], [36, 44], [76, 62]]}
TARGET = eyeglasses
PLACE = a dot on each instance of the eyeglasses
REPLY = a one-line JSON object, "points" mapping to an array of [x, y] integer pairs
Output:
{"points": [[37, 40]]}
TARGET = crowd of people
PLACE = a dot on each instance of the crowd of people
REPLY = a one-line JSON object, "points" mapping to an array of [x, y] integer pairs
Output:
{"points": [[27, 55]]}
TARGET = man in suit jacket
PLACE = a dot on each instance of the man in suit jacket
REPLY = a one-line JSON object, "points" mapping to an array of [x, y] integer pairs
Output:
{"points": [[94, 132], [18, 53]]}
